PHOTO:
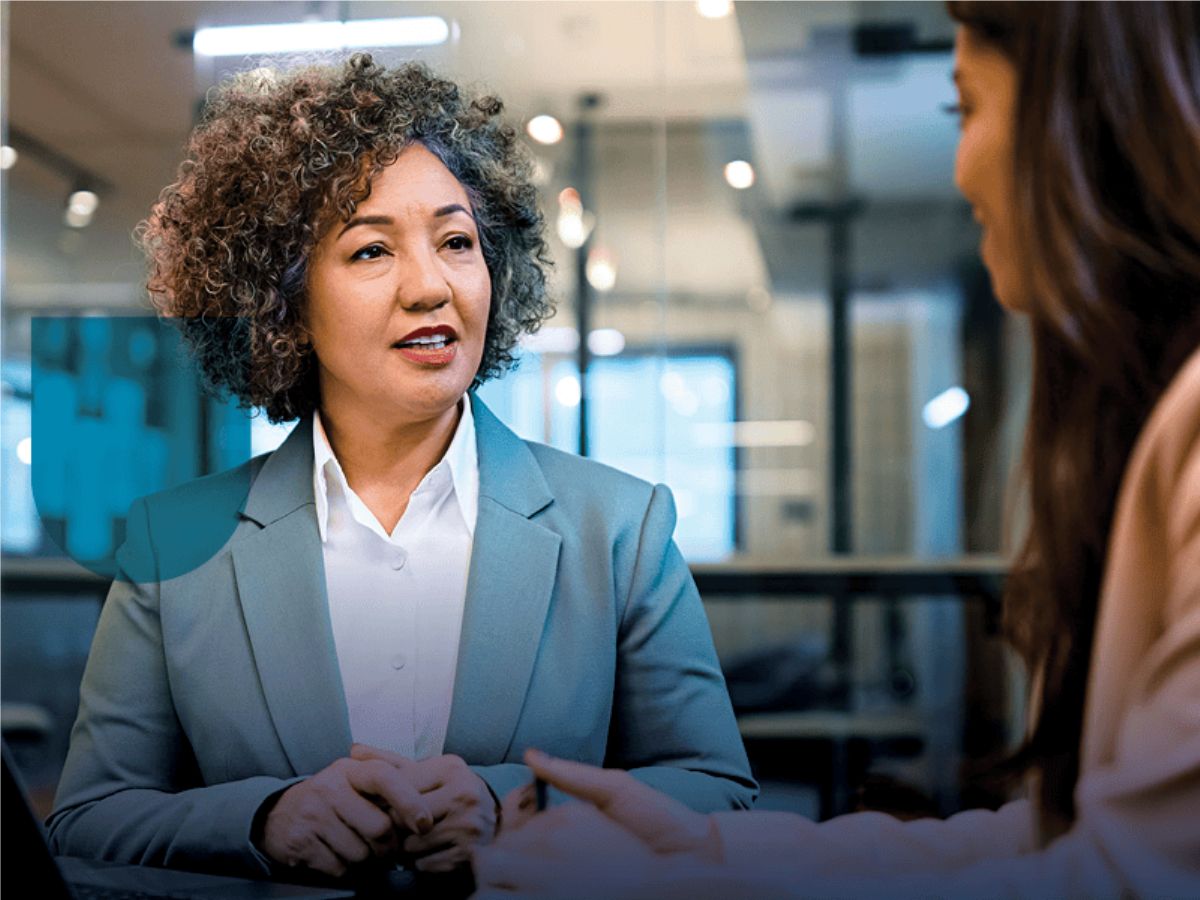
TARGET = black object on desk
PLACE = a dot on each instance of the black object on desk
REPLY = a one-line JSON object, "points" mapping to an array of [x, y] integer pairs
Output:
{"points": [[30, 870]]}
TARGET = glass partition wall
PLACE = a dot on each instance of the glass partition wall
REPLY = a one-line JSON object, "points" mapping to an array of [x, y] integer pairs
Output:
{"points": [[769, 299]]}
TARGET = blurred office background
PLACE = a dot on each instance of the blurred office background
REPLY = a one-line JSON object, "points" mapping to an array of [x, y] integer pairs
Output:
{"points": [[770, 299]]}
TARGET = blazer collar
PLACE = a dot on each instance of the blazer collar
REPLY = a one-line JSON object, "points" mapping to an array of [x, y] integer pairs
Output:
{"points": [[508, 471], [281, 587], [284, 483]]}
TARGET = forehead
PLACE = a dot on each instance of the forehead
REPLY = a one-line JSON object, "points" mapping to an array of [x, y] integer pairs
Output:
{"points": [[978, 62], [416, 179]]}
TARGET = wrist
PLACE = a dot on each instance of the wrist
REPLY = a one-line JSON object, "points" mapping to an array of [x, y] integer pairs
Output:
{"points": [[258, 825]]}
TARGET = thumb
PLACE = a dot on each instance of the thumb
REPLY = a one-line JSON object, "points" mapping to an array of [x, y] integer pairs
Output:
{"points": [[363, 752], [591, 783]]}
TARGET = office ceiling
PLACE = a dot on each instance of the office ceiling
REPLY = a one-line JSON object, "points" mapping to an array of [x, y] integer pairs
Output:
{"points": [[113, 87]]}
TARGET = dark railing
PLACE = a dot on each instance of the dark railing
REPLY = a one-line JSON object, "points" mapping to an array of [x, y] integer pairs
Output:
{"points": [[841, 581]]}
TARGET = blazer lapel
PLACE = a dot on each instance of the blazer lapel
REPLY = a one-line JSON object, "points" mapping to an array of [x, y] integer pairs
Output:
{"points": [[281, 587], [514, 563]]}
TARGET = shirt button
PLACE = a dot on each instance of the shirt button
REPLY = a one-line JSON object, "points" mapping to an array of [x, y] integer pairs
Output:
{"points": [[398, 661], [399, 560]]}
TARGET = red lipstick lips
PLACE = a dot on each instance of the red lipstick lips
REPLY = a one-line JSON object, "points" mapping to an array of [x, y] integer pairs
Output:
{"points": [[430, 346]]}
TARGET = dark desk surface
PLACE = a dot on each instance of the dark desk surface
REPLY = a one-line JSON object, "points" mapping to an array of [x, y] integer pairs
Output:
{"points": [[383, 885]]}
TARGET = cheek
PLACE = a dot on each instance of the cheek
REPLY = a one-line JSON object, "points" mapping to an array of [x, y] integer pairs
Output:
{"points": [[480, 304], [965, 162]]}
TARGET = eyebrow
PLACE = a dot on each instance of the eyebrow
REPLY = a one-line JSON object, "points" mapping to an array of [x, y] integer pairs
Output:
{"points": [[450, 208], [366, 220], [438, 213]]}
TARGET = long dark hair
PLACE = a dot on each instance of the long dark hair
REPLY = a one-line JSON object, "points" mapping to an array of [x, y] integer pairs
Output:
{"points": [[1107, 175]]}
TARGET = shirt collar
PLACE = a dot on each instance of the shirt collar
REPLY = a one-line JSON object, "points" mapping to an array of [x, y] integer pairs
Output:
{"points": [[462, 459]]}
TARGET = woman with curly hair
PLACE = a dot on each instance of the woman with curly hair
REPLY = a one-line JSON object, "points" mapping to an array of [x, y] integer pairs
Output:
{"points": [[404, 596], [1080, 157]]}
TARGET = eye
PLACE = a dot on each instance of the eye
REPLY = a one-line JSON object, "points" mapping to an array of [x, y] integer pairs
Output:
{"points": [[959, 110], [371, 251], [459, 242]]}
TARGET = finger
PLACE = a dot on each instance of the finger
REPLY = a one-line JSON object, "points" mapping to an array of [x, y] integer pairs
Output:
{"points": [[503, 871], [519, 806], [366, 751], [423, 844], [404, 802], [343, 841], [444, 860], [439, 771], [445, 801], [596, 785], [424, 775], [321, 859], [459, 825], [369, 822]]}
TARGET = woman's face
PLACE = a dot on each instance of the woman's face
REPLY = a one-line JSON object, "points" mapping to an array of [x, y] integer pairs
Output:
{"points": [[398, 297], [983, 170]]}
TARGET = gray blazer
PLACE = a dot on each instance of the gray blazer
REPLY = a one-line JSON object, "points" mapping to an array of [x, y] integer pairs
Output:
{"points": [[215, 684]]}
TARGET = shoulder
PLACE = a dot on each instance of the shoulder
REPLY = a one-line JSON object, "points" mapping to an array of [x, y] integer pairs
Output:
{"points": [[1163, 475], [179, 530], [223, 493], [1173, 430], [574, 479], [1158, 511]]}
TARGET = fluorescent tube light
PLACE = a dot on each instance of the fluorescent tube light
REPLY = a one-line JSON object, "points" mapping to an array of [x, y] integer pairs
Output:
{"points": [[946, 407], [413, 31]]}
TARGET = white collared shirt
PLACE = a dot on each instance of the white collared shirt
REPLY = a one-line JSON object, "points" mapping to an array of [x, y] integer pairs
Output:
{"points": [[396, 600]]}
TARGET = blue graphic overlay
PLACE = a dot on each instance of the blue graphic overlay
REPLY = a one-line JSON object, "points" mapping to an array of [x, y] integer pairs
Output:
{"points": [[118, 413]]}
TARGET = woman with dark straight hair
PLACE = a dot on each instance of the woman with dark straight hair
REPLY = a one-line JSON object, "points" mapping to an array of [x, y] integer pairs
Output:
{"points": [[1080, 156]]}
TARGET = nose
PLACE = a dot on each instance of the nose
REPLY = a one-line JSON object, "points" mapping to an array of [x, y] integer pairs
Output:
{"points": [[422, 286]]}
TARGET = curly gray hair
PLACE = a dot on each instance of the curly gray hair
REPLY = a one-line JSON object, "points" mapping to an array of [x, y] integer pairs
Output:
{"points": [[276, 158]]}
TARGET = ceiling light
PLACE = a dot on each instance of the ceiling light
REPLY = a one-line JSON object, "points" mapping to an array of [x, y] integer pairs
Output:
{"points": [[567, 391], [412, 31], [569, 199], [606, 342], [739, 174], [601, 270], [76, 219], [83, 203], [8, 157], [545, 129], [25, 450], [947, 406], [574, 225], [714, 9]]}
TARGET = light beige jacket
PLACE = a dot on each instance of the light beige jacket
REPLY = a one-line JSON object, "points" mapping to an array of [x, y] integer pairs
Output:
{"points": [[1138, 797]]}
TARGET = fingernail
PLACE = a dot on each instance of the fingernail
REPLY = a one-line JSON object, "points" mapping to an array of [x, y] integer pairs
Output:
{"points": [[536, 755]]}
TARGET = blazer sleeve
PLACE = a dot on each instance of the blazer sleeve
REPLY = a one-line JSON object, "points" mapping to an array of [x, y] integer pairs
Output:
{"points": [[673, 725], [130, 789]]}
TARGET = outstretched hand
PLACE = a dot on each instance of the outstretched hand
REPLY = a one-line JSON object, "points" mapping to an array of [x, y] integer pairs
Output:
{"points": [[663, 823], [621, 842]]}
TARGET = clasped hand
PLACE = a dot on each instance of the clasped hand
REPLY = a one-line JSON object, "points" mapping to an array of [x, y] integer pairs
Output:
{"points": [[379, 804]]}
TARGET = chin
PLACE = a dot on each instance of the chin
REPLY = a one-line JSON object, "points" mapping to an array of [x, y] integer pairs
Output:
{"points": [[423, 405], [1003, 290]]}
